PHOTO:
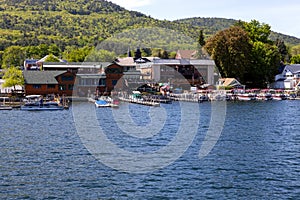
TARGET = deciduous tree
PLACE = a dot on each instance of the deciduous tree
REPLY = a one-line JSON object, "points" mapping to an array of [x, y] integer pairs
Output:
{"points": [[13, 76], [13, 56], [230, 49]]}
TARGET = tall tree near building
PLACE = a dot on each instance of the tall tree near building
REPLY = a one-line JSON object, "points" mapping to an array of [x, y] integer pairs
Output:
{"points": [[265, 55], [245, 52], [230, 49], [13, 56], [13, 76], [201, 40], [282, 50]]}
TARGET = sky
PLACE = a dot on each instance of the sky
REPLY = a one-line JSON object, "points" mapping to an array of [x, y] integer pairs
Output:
{"points": [[282, 16]]}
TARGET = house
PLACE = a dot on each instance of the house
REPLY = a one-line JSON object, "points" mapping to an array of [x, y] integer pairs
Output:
{"points": [[289, 78], [31, 64], [184, 72], [49, 82], [102, 82], [229, 82]]}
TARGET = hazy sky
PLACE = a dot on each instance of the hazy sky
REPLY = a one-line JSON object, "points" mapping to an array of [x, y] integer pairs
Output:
{"points": [[282, 16]]}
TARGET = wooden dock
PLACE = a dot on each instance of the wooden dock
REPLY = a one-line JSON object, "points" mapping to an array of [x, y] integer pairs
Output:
{"points": [[140, 101]]}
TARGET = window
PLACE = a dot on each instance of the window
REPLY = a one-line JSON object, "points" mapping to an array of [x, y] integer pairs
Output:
{"points": [[114, 82], [51, 86], [62, 87], [70, 87], [102, 82], [37, 86], [67, 78]]}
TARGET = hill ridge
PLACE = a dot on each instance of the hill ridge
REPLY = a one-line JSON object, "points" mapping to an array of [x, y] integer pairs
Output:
{"points": [[88, 22]]}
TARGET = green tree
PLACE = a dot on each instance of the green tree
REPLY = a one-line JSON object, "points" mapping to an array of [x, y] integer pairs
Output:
{"points": [[172, 55], [256, 31], [13, 76], [295, 59], [264, 65], [101, 56], [245, 52], [201, 40], [164, 54], [74, 54], [265, 55], [43, 50], [282, 50], [32, 52], [54, 49], [13, 56], [230, 49], [295, 50], [157, 52]]}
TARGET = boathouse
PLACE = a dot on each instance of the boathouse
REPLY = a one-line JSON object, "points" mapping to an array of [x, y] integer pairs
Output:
{"points": [[49, 82]]}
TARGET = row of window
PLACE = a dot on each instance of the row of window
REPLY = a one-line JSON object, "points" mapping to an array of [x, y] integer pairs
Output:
{"points": [[291, 76], [51, 86], [93, 82]]}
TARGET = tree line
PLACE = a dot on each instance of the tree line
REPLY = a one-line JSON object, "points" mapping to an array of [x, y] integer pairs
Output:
{"points": [[244, 51]]}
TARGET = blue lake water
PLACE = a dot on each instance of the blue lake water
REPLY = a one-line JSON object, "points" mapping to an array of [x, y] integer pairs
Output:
{"points": [[256, 157]]}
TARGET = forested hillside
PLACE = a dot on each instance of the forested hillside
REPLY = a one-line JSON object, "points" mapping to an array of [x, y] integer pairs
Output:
{"points": [[67, 23], [71, 28], [211, 25]]}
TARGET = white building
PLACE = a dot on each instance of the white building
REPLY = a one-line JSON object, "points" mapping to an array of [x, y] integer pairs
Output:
{"points": [[289, 78]]}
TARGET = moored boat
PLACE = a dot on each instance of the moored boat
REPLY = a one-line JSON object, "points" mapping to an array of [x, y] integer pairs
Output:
{"points": [[36, 103], [3, 106], [246, 96], [279, 95], [264, 95], [101, 103], [106, 102]]}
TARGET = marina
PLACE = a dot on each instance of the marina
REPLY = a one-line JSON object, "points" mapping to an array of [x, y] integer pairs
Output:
{"points": [[35, 103]]}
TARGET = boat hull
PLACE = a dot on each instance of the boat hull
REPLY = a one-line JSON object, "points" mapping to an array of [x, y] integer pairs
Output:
{"points": [[6, 108], [246, 97], [33, 108]]}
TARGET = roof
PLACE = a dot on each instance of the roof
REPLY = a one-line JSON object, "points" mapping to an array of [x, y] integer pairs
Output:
{"points": [[30, 61], [293, 68], [41, 77], [230, 82], [45, 58], [89, 76], [76, 65], [186, 54], [130, 61], [183, 62]]}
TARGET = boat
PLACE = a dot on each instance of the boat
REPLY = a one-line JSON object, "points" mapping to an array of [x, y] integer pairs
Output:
{"points": [[246, 96], [37, 103], [264, 95], [203, 98], [101, 103], [3, 106], [279, 95], [106, 102]]}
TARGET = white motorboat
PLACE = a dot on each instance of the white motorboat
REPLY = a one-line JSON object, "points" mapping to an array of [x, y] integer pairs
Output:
{"points": [[3, 106], [246, 97]]}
